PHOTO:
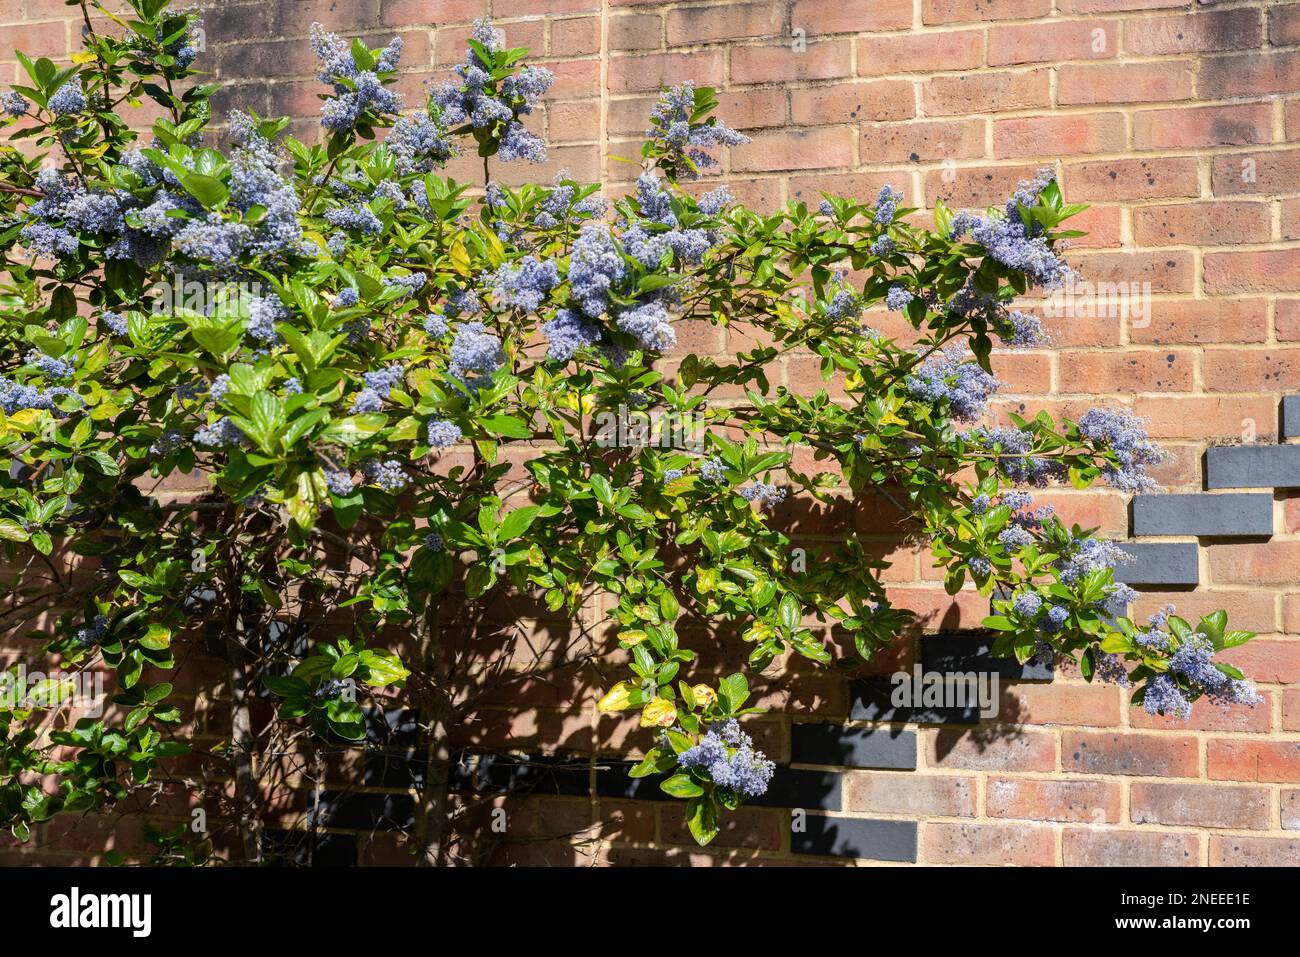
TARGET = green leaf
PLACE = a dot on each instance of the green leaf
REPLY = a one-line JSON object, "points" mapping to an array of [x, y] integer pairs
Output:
{"points": [[682, 786]]}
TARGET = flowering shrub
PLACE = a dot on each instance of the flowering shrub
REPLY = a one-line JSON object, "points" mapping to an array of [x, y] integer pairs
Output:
{"points": [[376, 343]]}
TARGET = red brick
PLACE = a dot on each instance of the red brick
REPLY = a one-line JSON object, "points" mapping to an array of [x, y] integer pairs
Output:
{"points": [[1202, 32], [780, 64], [842, 102], [1275, 367], [1208, 716], [1286, 320], [1261, 563], [1233, 850], [1148, 755], [1032, 799], [34, 39], [1208, 224], [1089, 847], [986, 91], [631, 74], [1130, 179], [920, 52], [746, 827], [923, 141], [1127, 371], [575, 36], [725, 22], [637, 31], [1114, 6], [1270, 660], [1192, 126], [1051, 136], [1200, 805], [1269, 172], [954, 11], [795, 149], [1206, 417], [995, 844], [1284, 25], [1248, 74], [910, 793], [1169, 271], [1232, 759], [1017, 751], [1124, 83], [834, 16], [1290, 801], [1203, 320], [1062, 40], [415, 13], [1094, 705], [974, 186]]}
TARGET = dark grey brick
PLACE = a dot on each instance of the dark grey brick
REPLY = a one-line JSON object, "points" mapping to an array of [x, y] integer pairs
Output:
{"points": [[539, 774], [856, 837], [957, 652], [355, 811], [798, 787], [872, 702], [1245, 515], [1291, 416], [790, 787], [1159, 563], [841, 746], [1253, 466]]}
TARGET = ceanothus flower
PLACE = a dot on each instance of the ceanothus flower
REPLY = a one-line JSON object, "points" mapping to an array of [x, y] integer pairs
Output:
{"points": [[1122, 433], [436, 325], [433, 541], [93, 632], [654, 200], [979, 566], [263, 314], [524, 283], [167, 443], [887, 205], [69, 99], [339, 482], [385, 380], [948, 375], [1027, 604], [347, 298], [221, 433], [443, 434], [1092, 554], [387, 475], [715, 201], [897, 298], [421, 143], [358, 216], [13, 104], [648, 325], [367, 400], [567, 333], [51, 367], [727, 755], [1055, 618], [595, 266], [714, 470], [1162, 696], [475, 352], [115, 322], [356, 90], [671, 129], [15, 397], [409, 284], [762, 494], [49, 241]]}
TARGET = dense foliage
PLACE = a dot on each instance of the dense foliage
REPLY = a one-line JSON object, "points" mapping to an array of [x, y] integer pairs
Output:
{"points": [[354, 349]]}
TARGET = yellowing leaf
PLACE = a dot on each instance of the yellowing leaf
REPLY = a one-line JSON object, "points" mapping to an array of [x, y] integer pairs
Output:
{"points": [[618, 698], [659, 713]]}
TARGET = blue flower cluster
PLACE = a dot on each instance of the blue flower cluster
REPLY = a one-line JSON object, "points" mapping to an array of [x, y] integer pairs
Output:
{"points": [[524, 283], [1013, 242], [263, 314], [897, 298], [762, 494], [595, 267], [678, 139], [387, 475], [221, 433], [886, 207], [485, 105], [15, 397], [69, 99], [950, 375], [568, 333], [648, 325], [420, 143], [1122, 433], [443, 434], [475, 353], [726, 754], [339, 482], [356, 91], [13, 104]]}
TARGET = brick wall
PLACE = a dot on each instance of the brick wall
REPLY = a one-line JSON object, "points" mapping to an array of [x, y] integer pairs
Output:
{"points": [[1177, 120]]}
